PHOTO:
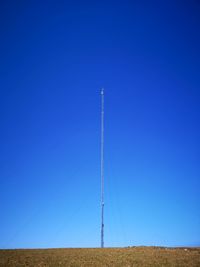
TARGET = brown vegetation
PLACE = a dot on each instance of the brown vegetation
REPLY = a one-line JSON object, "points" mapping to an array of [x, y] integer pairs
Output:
{"points": [[117, 257]]}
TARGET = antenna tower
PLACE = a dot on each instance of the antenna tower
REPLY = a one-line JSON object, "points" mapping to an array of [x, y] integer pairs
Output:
{"points": [[102, 168]]}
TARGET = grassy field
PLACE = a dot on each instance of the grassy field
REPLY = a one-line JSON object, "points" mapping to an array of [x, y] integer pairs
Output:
{"points": [[117, 257]]}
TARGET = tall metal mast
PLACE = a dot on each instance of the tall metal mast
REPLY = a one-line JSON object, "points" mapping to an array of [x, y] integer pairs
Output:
{"points": [[102, 168]]}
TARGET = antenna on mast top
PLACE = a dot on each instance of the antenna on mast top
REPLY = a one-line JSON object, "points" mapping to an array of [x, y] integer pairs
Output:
{"points": [[102, 168]]}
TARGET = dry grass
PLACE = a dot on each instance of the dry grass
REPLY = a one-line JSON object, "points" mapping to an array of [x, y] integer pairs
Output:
{"points": [[117, 257]]}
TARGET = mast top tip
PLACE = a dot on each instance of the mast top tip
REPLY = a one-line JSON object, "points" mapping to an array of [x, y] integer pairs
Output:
{"points": [[102, 91]]}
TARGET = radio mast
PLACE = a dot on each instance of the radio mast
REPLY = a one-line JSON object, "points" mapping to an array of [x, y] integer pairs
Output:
{"points": [[102, 168]]}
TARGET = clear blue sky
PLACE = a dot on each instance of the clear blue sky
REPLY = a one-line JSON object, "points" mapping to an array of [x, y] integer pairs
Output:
{"points": [[55, 57]]}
